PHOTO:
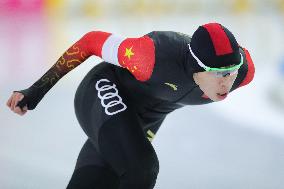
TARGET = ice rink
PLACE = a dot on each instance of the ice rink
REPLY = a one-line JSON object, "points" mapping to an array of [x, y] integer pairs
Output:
{"points": [[236, 144]]}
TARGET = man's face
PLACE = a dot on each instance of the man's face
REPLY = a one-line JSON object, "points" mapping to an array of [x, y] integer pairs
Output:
{"points": [[216, 88]]}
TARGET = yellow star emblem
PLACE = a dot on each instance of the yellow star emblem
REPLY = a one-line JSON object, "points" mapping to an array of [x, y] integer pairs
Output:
{"points": [[128, 52]]}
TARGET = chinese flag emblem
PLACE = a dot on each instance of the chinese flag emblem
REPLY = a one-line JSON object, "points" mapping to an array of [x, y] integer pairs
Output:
{"points": [[138, 56]]}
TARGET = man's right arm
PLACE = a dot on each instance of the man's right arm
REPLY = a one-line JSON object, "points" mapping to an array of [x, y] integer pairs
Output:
{"points": [[89, 44], [135, 54]]}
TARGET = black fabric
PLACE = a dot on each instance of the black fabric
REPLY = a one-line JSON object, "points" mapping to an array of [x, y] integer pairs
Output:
{"points": [[124, 146], [117, 142], [89, 155], [32, 96], [93, 177], [202, 46], [242, 72]]}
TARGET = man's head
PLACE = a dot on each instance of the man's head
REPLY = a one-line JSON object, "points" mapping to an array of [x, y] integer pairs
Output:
{"points": [[217, 60]]}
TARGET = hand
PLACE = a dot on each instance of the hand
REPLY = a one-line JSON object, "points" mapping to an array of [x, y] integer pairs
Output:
{"points": [[13, 101]]}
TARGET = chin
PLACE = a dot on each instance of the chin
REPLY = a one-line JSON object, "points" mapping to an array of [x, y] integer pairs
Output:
{"points": [[215, 100]]}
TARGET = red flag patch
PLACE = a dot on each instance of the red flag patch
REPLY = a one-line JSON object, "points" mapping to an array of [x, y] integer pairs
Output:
{"points": [[138, 56]]}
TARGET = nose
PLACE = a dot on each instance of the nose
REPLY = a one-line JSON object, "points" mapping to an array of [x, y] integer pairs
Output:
{"points": [[224, 81]]}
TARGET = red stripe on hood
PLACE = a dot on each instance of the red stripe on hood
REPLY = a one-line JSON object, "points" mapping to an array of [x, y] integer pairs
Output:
{"points": [[219, 38]]}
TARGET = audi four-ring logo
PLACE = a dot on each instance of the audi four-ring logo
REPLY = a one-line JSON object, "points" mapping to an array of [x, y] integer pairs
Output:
{"points": [[110, 99]]}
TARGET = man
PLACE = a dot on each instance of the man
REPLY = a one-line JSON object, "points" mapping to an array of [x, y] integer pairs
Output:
{"points": [[120, 110]]}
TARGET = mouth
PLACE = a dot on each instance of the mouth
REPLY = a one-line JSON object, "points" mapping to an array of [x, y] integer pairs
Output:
{"points": [[222, 96]]}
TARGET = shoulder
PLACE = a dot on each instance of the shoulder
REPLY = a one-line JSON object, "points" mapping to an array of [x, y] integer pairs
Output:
{"points": [[169, 43], [166, 37]]}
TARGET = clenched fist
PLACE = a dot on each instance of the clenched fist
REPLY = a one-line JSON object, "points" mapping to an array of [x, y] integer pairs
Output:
{"points": [[15, 98]]}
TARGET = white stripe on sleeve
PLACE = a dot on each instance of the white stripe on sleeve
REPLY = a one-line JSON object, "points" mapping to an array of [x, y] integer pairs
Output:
{"points": [[110, 49]]}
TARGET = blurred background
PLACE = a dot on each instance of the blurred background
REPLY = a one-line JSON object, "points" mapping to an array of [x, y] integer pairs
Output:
{"points": [[237, 143]]}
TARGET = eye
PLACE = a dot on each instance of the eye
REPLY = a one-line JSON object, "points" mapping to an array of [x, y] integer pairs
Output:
{"points": [[226, 74], [218, 74]]}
